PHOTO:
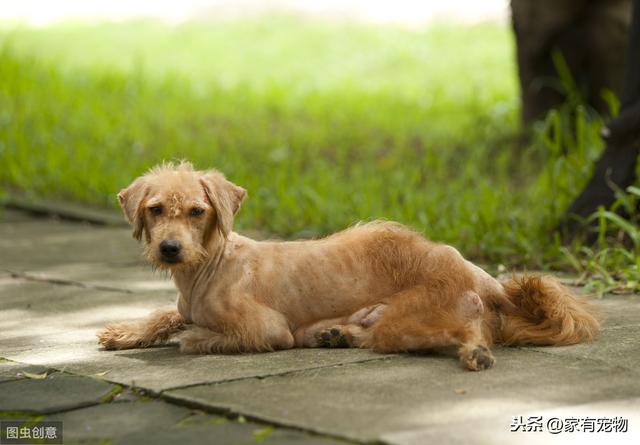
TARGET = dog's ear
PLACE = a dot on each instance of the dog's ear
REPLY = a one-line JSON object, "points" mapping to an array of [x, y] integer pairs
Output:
{"points": [[131, 200], [225, 197]]}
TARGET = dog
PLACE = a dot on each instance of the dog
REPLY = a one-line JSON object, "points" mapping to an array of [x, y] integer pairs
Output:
{"points": [[377, 285]]}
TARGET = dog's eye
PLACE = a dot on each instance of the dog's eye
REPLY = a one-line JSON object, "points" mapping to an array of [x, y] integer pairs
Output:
{"points": [[156, 210], [197, 211]]}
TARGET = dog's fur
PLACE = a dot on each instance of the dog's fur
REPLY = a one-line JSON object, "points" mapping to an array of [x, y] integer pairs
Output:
{"points": [[377, 285]]}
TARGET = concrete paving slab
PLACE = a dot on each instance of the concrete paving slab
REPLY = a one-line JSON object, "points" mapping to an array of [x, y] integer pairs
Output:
{"points": [[369, 400], [149, 421], [55, 393], [618, 347], [555, 427], [162, 368], [64, 210], [111, 420], [13, 216], [225, 433], [103, 276], [37, 244], [40, 315], [618, 343], [619, 311], [16, 371]]}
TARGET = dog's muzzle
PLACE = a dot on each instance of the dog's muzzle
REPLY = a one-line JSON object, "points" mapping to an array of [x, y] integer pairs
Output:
{"points": [[170, 251]]}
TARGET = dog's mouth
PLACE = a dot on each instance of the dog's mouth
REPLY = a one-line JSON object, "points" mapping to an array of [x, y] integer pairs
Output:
{"points": [[171, 260]]}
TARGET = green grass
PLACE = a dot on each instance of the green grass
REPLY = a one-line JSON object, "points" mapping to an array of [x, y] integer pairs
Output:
{"points": [[324, 124]]}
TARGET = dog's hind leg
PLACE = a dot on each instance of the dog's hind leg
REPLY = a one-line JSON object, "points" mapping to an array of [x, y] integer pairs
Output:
{"points": [[339, 336], [308, 336], [419, 319], [156, 328], [474, 351], [343, 332], [474, 344]]}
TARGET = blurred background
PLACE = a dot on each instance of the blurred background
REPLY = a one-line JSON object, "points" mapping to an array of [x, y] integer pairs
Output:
{"points": [[405, 13], [327, 113]]}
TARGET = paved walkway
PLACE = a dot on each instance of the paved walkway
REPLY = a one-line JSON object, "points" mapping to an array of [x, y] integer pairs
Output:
{"points": [[61, 281]]}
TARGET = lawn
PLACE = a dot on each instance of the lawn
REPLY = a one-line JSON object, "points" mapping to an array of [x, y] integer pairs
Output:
{"points": [[325, 124]]}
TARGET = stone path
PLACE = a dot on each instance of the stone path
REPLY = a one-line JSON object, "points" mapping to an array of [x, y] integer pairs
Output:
{"points": [[61, 281]]}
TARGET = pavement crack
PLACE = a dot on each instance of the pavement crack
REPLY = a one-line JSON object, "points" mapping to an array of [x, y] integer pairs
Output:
{"points": [[41, 278], [277, 374], [232, 413]]}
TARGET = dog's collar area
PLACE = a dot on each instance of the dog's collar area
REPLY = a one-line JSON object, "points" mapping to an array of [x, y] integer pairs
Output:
{"points": [[204, 274]]}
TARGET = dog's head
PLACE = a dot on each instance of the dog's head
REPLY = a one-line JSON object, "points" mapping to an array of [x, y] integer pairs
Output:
{"points": [[182, 213]]}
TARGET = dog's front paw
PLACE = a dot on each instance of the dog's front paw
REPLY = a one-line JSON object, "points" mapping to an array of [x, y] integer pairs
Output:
{"points": [[478, 359], [120, 336]]}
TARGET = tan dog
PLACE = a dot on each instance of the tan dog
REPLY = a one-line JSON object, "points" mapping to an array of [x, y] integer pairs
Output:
{"points": [[377, 285]]}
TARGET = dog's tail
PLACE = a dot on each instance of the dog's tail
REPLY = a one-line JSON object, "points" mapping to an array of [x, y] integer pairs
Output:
{"points": [[546, 313]]}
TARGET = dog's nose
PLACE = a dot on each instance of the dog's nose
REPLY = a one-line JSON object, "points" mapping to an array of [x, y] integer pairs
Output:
{"points": [[170, 248]]}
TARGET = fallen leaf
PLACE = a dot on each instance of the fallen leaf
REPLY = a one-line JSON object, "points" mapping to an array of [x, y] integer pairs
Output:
{"points": [[262, 434], [31, 375]]}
